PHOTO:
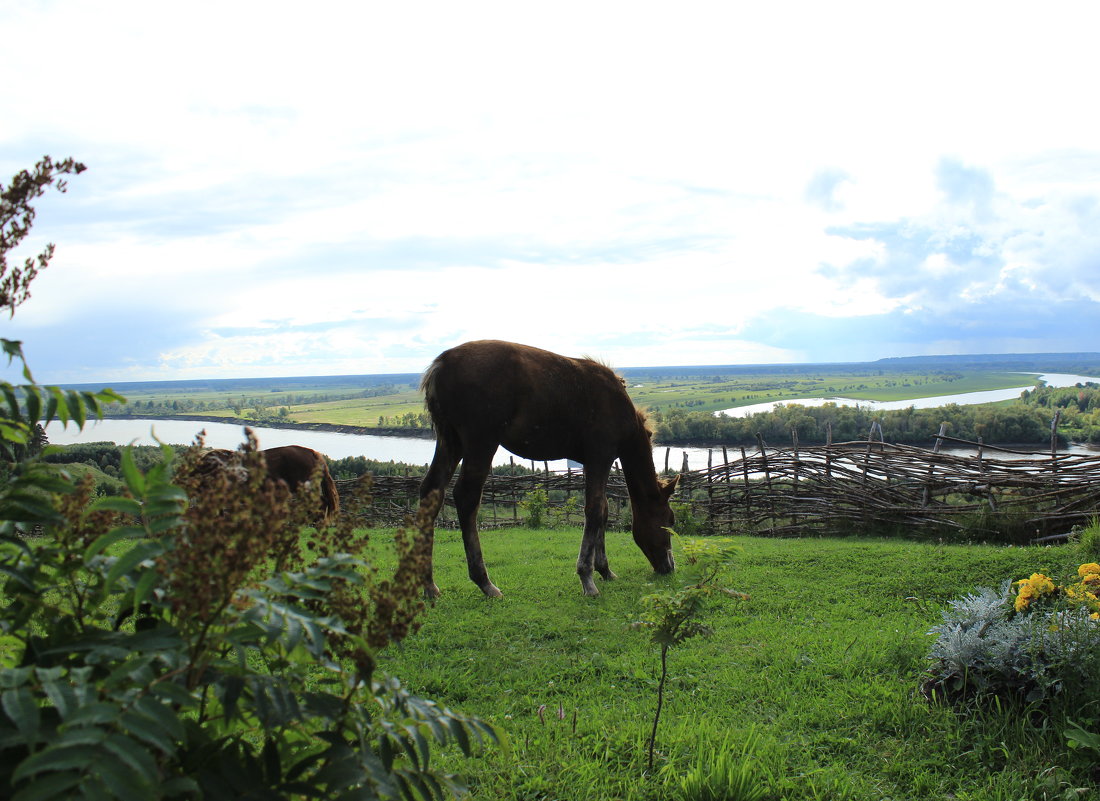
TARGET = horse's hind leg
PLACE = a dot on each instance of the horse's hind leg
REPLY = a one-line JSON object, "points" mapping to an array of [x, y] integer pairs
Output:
{"points": [[467, 494], [437, 478]]}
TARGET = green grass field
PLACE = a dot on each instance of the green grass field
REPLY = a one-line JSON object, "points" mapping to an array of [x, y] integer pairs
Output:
{"points": [[343, 403], [360, 411], [820, 668], [733, 391]]}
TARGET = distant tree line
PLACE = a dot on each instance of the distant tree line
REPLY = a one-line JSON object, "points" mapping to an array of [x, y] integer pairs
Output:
{"points": [[406, 420], [356, 466], [257, 407], [1079, 405], [104, 461], [1019, 423]]}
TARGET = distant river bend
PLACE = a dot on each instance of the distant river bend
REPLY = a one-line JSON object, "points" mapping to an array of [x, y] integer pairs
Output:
{"points": [[962, 399], [418, 450]]}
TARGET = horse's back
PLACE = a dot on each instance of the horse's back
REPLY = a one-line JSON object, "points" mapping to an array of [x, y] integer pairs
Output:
{"points": [[538, 404], [499, 377], [296, 464]]}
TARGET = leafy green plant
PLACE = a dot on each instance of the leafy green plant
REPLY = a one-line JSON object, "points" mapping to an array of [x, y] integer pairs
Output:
{"points": [[672, 617], [568, 510], [535, 505], [688, 523], [148, 654], [1077, 736]]}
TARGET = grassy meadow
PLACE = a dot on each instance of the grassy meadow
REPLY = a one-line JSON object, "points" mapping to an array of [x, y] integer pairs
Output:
{"points": [[810, 686], [726, 392], [361, 411], [367, 402]]}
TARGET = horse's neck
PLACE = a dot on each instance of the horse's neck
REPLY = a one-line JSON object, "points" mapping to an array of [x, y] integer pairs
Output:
{"points": [[641, 477]]}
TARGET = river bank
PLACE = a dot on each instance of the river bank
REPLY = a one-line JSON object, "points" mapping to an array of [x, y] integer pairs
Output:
{"points": [[335, 428]]}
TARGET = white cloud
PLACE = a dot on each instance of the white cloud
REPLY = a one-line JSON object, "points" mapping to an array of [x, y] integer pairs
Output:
{"points": [[303, 189]]}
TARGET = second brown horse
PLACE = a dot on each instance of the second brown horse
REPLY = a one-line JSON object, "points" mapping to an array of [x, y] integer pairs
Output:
{"points": [[543, 406], [292, 464]]}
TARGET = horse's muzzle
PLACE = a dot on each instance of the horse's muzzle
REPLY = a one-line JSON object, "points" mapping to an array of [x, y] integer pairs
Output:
{"points": [[667, 565]]}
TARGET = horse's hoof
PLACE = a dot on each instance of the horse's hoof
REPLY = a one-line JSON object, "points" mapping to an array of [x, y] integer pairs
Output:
{"points": [[491, 591], [609, 575], [590, 589], [431, 592]]}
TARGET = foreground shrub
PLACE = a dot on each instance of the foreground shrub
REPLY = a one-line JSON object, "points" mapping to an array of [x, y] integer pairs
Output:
{"points": [[155, 658], [1031, 640]]}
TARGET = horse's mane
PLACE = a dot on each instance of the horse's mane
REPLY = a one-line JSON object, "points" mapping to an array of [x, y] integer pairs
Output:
{"points": [[643, 417], [601, 362]]}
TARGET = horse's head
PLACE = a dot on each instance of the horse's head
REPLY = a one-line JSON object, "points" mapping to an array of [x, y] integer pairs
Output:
{"points": [[651, 529]]}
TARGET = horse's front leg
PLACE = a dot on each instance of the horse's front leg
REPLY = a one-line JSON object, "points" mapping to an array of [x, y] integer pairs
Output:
{"points": [[593, 553], [600, 562], [467, 495]]}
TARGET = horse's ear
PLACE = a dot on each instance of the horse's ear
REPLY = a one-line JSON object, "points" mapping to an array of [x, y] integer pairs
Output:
{"points": [[669, 487]]}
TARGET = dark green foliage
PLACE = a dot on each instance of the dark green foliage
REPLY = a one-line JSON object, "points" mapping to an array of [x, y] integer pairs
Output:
{"points": [[103, 460], [535, 506], [355, 466], [1078, 408], [107, 456], [994, 424]]}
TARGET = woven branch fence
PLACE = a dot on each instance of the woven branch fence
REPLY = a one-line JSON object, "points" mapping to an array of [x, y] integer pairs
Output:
{"points": [[845, 487]]}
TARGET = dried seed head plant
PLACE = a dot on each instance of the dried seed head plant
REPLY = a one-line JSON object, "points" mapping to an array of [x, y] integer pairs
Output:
{"points": [[235, 520]]}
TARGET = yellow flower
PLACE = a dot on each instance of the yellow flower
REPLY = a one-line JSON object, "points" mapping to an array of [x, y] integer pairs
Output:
{"points": [[1032, 589], [1042, 584], [1089, 569]]}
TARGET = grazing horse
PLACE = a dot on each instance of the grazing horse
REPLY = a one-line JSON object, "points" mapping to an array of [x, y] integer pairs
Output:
{"points": [[294, 465], [542, 406]]}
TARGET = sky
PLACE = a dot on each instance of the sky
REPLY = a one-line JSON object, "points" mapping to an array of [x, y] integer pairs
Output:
{"points": [[288, 189]]}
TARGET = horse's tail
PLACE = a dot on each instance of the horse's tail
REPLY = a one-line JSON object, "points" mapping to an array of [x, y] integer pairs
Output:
{"points": [[428, 385], [330, 496], [434, 386]]}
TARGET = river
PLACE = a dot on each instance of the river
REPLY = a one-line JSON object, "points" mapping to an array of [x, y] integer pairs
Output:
{"points": [[411, 450], [962, 399], [415, 450]]}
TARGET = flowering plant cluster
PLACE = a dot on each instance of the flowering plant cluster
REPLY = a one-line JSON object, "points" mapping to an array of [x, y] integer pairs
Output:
{"points": [[1032, 589], [1032, 639], [1041, 590], [1086, 592]]}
